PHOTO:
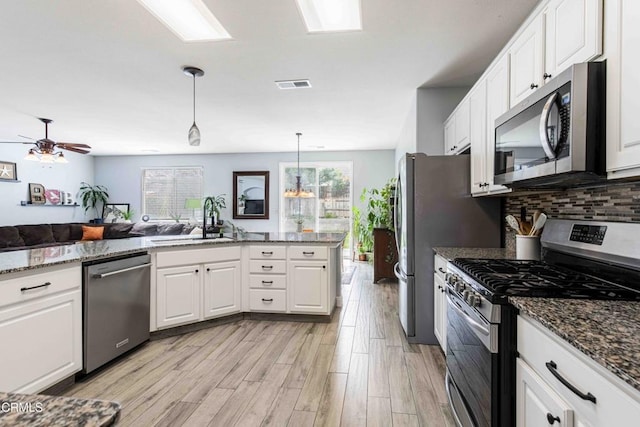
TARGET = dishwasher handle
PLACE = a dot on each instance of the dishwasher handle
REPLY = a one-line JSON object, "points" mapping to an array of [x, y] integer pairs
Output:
{"points": [[124, 270]]}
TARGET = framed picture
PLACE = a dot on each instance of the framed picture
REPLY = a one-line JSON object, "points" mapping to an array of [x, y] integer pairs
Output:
{"points": [[8, 171], [113, 212], [36, 194]]}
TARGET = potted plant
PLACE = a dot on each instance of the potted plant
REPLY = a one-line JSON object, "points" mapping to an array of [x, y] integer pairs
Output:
{"points": [[218, 202], [363, 235], [128, 215], [93, 196]]}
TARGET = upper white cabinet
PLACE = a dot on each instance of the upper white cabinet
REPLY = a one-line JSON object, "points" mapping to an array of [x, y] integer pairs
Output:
{"points": [[527, 61], [573, 34], [456, 129], [623, 87], [478, 137], [497, 104]]}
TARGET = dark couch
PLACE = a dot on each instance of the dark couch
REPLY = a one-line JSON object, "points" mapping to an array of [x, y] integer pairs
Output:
{"points": [[13, 238]]}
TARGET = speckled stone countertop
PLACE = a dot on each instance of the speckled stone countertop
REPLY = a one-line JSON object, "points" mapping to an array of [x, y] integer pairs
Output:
{"points": [[87, 251], [37, 410], [484, 253], [606, 331]]}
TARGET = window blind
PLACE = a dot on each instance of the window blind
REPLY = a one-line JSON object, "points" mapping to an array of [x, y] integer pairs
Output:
{"points": [[165, 191]]}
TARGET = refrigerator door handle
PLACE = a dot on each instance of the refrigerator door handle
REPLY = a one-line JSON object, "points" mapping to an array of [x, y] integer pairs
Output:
{"points": [[396, 202], [398, 272]]}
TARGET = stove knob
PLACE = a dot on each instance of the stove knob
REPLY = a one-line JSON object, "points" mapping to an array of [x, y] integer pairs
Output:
{"points": [[448, 278], [466, 294], [475, 300], [459, 286]]}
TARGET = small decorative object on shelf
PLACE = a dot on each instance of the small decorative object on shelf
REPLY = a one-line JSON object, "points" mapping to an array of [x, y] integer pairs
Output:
{"points": [[8, 171], [114, 212], [36, 193]]}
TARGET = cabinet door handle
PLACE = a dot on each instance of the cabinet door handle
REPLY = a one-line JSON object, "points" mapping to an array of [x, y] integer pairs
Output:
{"points": [[208, 269], [453, 148], [441, 270], [553, 368], [533, 86], [551, 419], [267, 282], [197, 270], [44, 285], [267, 253], [267, 299], [307, 253], [324, 267], [267, 267], [546, 76]]}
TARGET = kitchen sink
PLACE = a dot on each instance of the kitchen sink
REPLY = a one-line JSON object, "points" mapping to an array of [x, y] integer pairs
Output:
{"points": [[188, 240]]}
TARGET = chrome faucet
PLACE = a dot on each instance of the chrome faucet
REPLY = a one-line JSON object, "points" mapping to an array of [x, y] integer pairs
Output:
{"points": [[207, 205]]}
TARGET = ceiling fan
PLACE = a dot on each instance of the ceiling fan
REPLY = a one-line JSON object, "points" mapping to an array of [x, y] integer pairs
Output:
{"points": [[46, 148]]}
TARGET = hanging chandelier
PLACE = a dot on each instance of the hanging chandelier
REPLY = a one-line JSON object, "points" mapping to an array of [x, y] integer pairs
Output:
{"points": [[299, 191], [194, 132]]}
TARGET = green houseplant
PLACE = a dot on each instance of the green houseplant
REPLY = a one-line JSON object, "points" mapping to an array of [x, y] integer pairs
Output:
{"points": [[93, 196], [218, 202], [362, 234], [128, 215]]}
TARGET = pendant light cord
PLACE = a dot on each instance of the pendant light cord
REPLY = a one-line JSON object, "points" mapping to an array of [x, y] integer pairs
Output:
{"points": [[194, 98]]}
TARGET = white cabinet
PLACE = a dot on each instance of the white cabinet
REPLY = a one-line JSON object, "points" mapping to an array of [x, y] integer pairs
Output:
{"points": [[440, 302], [527, 61], [308, 287], [221, 289], [623, 87], [599, 398], [537, 403], [497, 104], [478, 138], [197, 284], [456, 129], [573, 34], [178, 295], [268, 278], [40, 328]]}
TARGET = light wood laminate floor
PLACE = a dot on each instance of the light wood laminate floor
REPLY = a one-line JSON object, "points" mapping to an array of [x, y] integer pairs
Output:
{"points": [[357, 370]]}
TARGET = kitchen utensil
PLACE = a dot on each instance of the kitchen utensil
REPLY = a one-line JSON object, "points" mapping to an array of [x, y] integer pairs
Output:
{"points": [[538, 225], [513, 223], [536, 215], [525, 227]]}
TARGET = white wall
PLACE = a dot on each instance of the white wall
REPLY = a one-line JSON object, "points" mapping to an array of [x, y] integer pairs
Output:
{"points": [[122, 175], [423, 131], [56, 176]]}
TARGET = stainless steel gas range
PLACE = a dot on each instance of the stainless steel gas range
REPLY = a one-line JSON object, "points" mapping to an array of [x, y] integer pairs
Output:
{"points": [[581, 259]]}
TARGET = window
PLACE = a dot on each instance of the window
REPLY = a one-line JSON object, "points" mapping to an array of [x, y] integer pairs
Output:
{"points": [[166, 190], [329, 208]]}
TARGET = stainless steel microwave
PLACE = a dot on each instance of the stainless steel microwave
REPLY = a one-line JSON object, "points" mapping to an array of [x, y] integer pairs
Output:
{"points": [[556, 136]]}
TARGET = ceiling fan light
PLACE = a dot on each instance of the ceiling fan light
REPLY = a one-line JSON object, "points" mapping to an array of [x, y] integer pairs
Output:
{"points": [[61, 158], [46, 158], [31, 156], [194, 135]]}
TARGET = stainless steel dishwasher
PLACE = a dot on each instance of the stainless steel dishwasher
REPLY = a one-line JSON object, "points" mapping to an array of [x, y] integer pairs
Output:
{"points": [[115, 307]]}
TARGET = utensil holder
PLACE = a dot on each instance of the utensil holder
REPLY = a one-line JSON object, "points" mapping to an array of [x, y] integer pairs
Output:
{"points": [[528, 247]]}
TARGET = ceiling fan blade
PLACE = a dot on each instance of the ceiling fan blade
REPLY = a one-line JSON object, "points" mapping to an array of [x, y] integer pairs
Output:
{"points": [[26, 137], [75, 150], [16, 142], [70, 144]]}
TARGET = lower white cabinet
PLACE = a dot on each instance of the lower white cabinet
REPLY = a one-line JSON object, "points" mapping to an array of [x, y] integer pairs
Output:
{"points": [[555, 378], [537, 403], [41, 324], [440, 302], [222, 287], [308, 287], [178, 295]]}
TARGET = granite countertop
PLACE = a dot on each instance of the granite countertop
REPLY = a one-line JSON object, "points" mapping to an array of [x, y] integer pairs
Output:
{"points": [[483, 253], [37, 410], [606, 331], [88, 251]]}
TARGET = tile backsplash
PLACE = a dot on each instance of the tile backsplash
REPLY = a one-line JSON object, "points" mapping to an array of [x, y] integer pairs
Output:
{"points": [[614, 202]]}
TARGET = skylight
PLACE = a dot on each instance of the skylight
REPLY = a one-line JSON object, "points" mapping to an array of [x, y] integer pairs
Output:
{"points": [[190, 20], [331, 15]]}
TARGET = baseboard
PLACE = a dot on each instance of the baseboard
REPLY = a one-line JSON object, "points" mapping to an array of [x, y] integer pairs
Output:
{"points": [[60, 387], [192, 327], [339, 301]]}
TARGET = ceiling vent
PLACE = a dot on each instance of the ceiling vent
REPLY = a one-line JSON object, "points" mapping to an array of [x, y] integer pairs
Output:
{"points": [[293, 84]]}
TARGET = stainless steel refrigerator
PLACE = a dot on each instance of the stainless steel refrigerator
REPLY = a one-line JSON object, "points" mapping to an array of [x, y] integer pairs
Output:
{"points": [[434, 207]]}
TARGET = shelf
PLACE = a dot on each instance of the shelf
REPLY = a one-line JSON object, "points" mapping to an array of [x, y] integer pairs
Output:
{"points": [[25, 203]]}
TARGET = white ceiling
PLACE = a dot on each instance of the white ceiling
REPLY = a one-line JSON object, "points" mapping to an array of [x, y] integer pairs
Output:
{"points": [[109, 74]]}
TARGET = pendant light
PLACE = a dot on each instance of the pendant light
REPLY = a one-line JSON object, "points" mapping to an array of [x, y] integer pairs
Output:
{"points": [[194, 132], [299, 191]]}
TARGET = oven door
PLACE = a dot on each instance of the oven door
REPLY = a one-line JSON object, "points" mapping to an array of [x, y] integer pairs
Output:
{"points": [[472, 364]]}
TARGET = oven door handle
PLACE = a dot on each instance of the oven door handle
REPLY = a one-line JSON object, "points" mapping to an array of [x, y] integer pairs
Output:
{"points": [[472, 323], [447, 386]]}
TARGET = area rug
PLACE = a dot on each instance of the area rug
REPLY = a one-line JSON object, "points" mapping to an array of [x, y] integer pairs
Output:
{"points": [[347, 274]]}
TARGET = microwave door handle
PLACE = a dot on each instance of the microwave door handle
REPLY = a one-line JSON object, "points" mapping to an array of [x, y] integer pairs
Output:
{"points": [[544, 119]]}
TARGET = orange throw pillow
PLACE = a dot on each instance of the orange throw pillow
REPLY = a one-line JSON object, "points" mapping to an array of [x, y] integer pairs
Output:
{"points": [[92, 233]]}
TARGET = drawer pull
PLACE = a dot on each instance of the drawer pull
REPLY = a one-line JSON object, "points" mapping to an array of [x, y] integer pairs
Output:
{"points": [[552, 367], [44, 285], [267, 282], [267, 299], [308, 253], [551, 419], [267, 253], [267, 267], [441, 270]]}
